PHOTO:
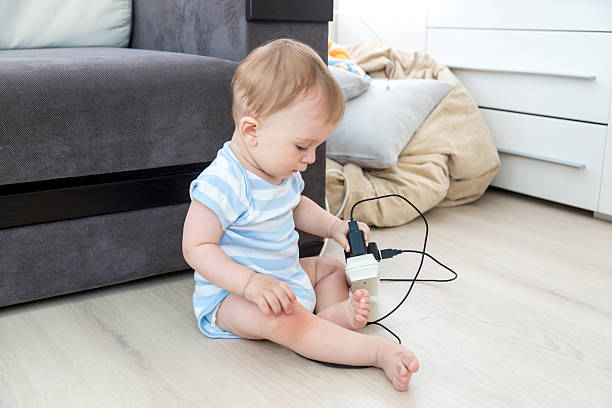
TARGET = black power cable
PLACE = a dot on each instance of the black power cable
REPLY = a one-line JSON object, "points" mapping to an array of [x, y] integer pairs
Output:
{"points": [[388, 253]]}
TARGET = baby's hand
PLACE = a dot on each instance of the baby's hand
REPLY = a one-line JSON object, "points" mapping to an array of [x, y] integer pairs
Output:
{"points": [[339, 230], [269, 294]]}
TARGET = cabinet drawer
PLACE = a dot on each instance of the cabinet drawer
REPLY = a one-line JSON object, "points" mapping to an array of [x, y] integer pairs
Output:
{"points": [[558, 74], [583, 15], [559, 160]]}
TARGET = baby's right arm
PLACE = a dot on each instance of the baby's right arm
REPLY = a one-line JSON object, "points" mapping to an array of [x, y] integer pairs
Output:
{"points": [[201, 236]]}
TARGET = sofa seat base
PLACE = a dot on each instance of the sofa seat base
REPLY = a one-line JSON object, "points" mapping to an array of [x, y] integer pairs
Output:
{"points": [[50, 259]]}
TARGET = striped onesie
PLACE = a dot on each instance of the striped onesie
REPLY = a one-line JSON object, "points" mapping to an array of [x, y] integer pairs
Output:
{"points": [[258, 231]]}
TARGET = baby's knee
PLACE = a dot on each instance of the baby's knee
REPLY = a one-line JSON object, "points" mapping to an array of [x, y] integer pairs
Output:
{"points": [[331, 265], [336, 270], [289, 328]]}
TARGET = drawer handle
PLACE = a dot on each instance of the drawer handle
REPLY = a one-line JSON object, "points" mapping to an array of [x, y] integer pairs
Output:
{"points": [[516, 71], [542, 158]]}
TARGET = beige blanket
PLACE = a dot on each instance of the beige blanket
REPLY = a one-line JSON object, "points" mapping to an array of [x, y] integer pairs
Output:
{"points": [[450, 160]]}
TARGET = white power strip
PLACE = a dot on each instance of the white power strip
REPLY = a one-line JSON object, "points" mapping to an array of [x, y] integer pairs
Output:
{"points": [[362, 272]]}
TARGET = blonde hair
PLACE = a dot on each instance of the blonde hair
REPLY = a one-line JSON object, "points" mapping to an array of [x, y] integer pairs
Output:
{"points": [[276, 74]]}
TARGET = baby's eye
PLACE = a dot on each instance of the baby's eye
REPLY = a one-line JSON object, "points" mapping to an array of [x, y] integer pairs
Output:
{"points": [[301, 148]]}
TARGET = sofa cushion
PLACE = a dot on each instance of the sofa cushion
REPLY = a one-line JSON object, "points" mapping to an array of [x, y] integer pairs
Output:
{"points": [[65, 23], [85, 111]]}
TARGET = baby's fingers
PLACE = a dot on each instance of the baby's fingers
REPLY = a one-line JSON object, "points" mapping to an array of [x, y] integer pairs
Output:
{"points": [[273, 301], [366, 231], [283, 298], [263, 305], [343, 241], [288, 291]]}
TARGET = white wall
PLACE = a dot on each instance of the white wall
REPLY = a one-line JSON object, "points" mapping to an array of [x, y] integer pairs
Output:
{"points": [[396, 23]]}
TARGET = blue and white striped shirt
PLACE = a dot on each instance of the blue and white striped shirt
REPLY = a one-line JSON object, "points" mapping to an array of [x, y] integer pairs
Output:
{"points": [[258, 230]]}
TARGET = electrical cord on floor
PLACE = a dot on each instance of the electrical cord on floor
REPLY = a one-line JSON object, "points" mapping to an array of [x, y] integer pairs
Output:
{"points": [[389, 253]]}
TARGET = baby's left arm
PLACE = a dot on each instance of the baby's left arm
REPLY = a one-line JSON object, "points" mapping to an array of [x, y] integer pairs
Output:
{"points": [[309, 217]]}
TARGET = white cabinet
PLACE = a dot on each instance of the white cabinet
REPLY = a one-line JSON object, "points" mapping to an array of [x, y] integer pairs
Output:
{"points": [[557, 15], [604, 209], [560, 74], [559, 160], [541, 72]]}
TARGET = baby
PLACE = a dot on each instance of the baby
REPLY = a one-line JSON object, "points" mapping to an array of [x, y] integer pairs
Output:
{"points": [[239, 233]]}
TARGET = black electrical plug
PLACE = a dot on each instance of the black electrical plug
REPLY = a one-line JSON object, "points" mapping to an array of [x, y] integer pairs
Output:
{"points": [[356, 240], [389, 253], [373, 249]]}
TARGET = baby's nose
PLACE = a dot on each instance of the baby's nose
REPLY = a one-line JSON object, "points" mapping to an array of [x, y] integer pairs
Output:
{"points": [[310, 157]]}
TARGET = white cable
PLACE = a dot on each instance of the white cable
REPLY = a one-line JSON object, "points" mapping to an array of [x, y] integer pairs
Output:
{"points": [[346, 193]]}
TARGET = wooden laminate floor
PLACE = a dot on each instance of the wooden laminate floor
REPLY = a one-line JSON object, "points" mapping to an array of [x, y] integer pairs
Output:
{"points": [[528, 323]]}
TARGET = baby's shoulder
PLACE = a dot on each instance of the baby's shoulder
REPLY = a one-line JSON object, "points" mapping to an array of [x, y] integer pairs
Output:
{"points": [[227, 175]]}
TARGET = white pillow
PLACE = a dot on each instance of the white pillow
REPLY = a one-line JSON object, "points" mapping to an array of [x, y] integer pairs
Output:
{"points": [[378, 124], [352, 84], [64, 23]]}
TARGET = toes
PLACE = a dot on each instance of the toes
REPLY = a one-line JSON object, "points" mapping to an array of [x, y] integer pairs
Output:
{"points": [[396, 381], [358, 295], [363, 305], [361, 294], [402, 370], [410, 362], [403, 377], [363, 312], [359, 307], [401, 383], [404, 382]]}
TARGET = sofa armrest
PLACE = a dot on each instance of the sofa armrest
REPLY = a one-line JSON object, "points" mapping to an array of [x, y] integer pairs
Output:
{"points": [[216, 28]]}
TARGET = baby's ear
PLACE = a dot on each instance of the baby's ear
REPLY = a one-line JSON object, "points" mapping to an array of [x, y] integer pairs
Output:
{"points": [[249, 128]]}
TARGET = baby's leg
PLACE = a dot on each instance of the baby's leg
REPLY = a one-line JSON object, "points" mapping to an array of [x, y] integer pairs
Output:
{"points": [[317, 338], [333, 303]]}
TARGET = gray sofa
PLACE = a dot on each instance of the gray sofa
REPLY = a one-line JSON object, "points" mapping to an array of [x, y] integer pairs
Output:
{"points": [[98, 145]]}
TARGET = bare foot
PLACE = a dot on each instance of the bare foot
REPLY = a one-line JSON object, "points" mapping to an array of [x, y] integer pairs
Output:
{"points": [[352, 313], [358, 309], [397, 362]]}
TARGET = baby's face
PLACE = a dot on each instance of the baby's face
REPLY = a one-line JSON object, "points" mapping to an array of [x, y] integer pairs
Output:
{"points": [[288, 139]]}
